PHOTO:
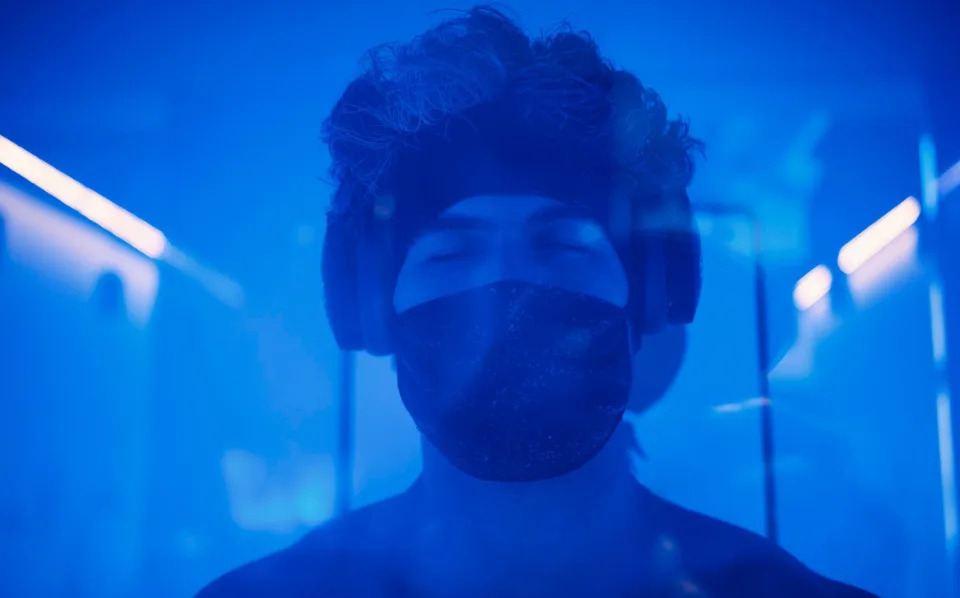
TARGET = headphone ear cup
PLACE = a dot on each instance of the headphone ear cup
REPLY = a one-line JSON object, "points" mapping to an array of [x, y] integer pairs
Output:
{"points": [[666, 267], [375, 290], [339, 270], [683, 274], [655, 297], [682, 259]]}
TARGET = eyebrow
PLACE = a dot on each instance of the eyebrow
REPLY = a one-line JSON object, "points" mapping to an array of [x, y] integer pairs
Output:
{"points": [[545, 215], [454, 222], [554, 212]]}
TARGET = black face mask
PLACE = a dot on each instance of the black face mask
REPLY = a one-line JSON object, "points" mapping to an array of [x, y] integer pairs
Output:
{"points": [[513, 381]]}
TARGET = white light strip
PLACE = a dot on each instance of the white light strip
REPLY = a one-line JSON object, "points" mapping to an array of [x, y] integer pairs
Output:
{"points": [[950, 179], [947, 476], [878, 235], [928, 176], [937, 327], [814, 285], [742, 405], [948, 482], [97, 208]]}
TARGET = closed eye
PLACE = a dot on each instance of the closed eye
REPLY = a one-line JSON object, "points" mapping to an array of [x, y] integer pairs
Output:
{"points": [[448, 256], [568, 236], [563, 245]]}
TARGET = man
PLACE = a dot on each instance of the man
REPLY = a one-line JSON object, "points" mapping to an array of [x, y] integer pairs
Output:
{"points": [[510, 221]]}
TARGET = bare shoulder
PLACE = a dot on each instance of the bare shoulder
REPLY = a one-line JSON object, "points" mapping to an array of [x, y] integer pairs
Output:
{"points": [[335, 559], [732, 561]]}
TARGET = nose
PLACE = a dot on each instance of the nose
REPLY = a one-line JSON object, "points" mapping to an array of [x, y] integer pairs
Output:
{"points": [[515, 261]]}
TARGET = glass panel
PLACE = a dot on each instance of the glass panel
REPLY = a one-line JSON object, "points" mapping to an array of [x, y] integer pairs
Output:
{"points": [[703, 438], [856, 428]]}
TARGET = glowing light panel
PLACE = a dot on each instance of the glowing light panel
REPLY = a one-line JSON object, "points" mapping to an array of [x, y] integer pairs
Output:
{"points": [[948, 481], [878, 235], [742, 405], [97, 208], [937, 326], [928, 167], [950, 179], [814, 285]]}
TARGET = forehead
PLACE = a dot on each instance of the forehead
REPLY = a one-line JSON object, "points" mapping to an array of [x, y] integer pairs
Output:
{"points": [[509, 210]]}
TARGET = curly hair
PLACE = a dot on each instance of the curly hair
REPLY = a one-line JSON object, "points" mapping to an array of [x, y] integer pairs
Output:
{"points": [[478, 77]]}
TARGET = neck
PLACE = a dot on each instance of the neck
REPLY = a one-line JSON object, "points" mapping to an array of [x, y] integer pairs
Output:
{"points": [[596, 499]]}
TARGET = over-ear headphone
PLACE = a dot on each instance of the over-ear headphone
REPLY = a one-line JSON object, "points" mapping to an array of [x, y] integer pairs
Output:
{"points": [[661, 253]]}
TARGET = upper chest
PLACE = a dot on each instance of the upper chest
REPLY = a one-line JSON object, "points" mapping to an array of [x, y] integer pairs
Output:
{"points": [[398, 552]]}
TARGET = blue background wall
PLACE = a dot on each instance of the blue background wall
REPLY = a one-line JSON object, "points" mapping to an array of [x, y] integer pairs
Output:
{"points": [[154, 444]]}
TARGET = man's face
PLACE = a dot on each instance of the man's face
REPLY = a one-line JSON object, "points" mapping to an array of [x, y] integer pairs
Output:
{"points": [[511, 337], [524, 238]]}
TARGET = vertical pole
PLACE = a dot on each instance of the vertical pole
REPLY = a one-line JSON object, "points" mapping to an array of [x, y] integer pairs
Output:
{"points": [[763, 383], [344, 467]]}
